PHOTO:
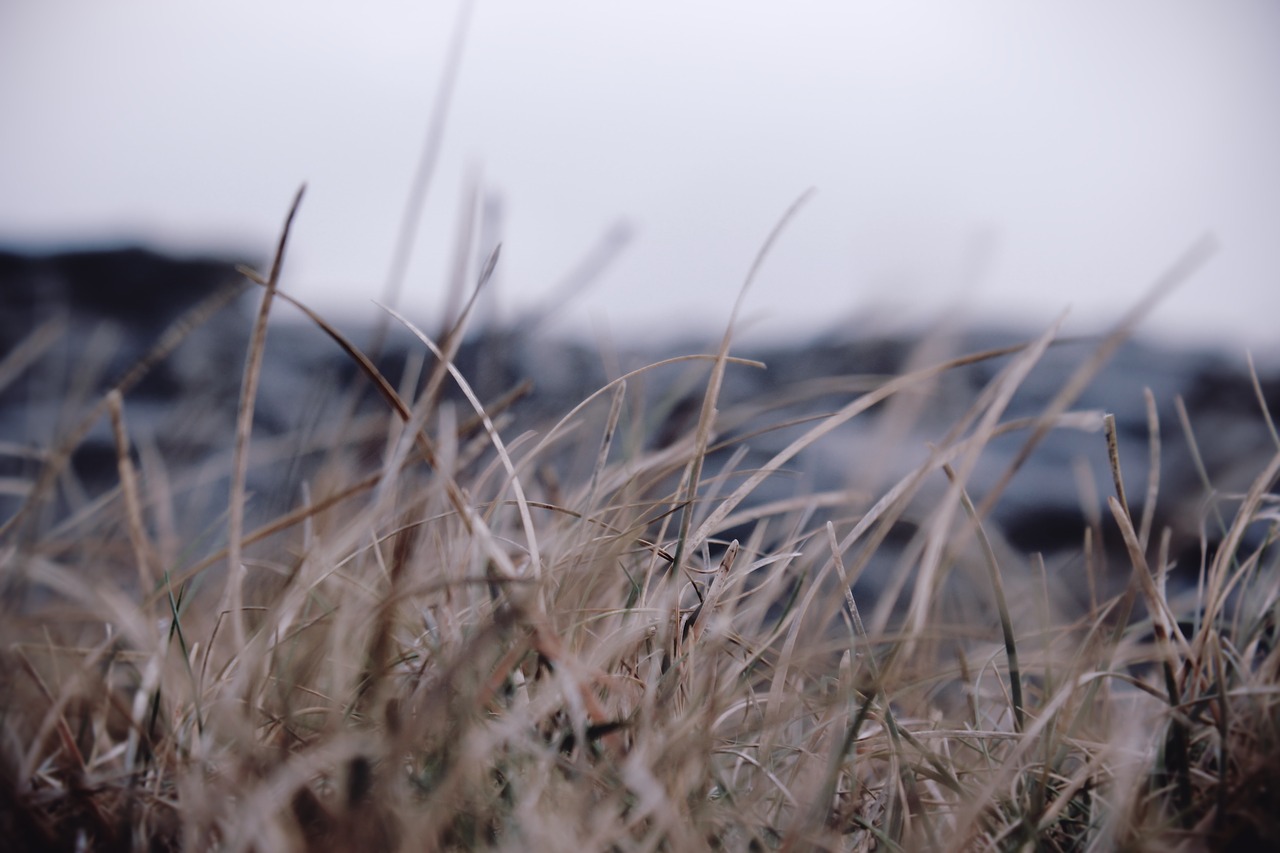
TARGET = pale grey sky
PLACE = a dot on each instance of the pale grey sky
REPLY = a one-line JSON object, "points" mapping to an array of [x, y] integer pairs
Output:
{"points": [[1077, 147]]}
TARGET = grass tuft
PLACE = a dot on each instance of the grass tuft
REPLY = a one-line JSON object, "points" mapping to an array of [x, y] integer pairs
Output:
{"points": [[582, 636]]}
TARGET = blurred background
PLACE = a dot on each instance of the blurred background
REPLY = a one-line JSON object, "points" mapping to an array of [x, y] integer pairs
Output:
{"points": [[999, 162]]}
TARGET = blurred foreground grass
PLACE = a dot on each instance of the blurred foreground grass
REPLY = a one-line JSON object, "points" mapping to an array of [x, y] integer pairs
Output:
{"points": [[484, 638]]}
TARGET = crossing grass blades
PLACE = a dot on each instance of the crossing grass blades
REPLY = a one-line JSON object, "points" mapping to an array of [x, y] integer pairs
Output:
{"points": [[548, 639]]}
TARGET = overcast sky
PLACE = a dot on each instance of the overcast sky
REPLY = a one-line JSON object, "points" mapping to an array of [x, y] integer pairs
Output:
{"points": [[1010, 158]]}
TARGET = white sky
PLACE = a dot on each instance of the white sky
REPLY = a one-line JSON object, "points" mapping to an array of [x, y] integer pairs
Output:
{"points": [[1078, 147]]}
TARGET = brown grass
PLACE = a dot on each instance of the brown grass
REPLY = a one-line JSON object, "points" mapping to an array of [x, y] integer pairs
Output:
{"points": [[460, 648]]}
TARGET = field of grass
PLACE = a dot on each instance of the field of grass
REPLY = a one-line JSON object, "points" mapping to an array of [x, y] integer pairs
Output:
{"points": [[487, 637]]}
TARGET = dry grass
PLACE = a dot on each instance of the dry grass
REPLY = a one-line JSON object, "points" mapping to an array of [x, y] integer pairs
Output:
{"points": [[544, 641]]}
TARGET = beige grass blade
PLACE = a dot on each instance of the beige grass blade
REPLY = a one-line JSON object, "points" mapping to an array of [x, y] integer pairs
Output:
{"points": [[420, 186], [535, 557], [851, 410], [233, 597], [143, 553], [30, 349], [1153, 469], [1190, 262], [706, 418], [940, 536]]}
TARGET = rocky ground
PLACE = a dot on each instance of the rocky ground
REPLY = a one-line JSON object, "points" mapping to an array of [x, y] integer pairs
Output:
{"points": [[72, 324]]}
